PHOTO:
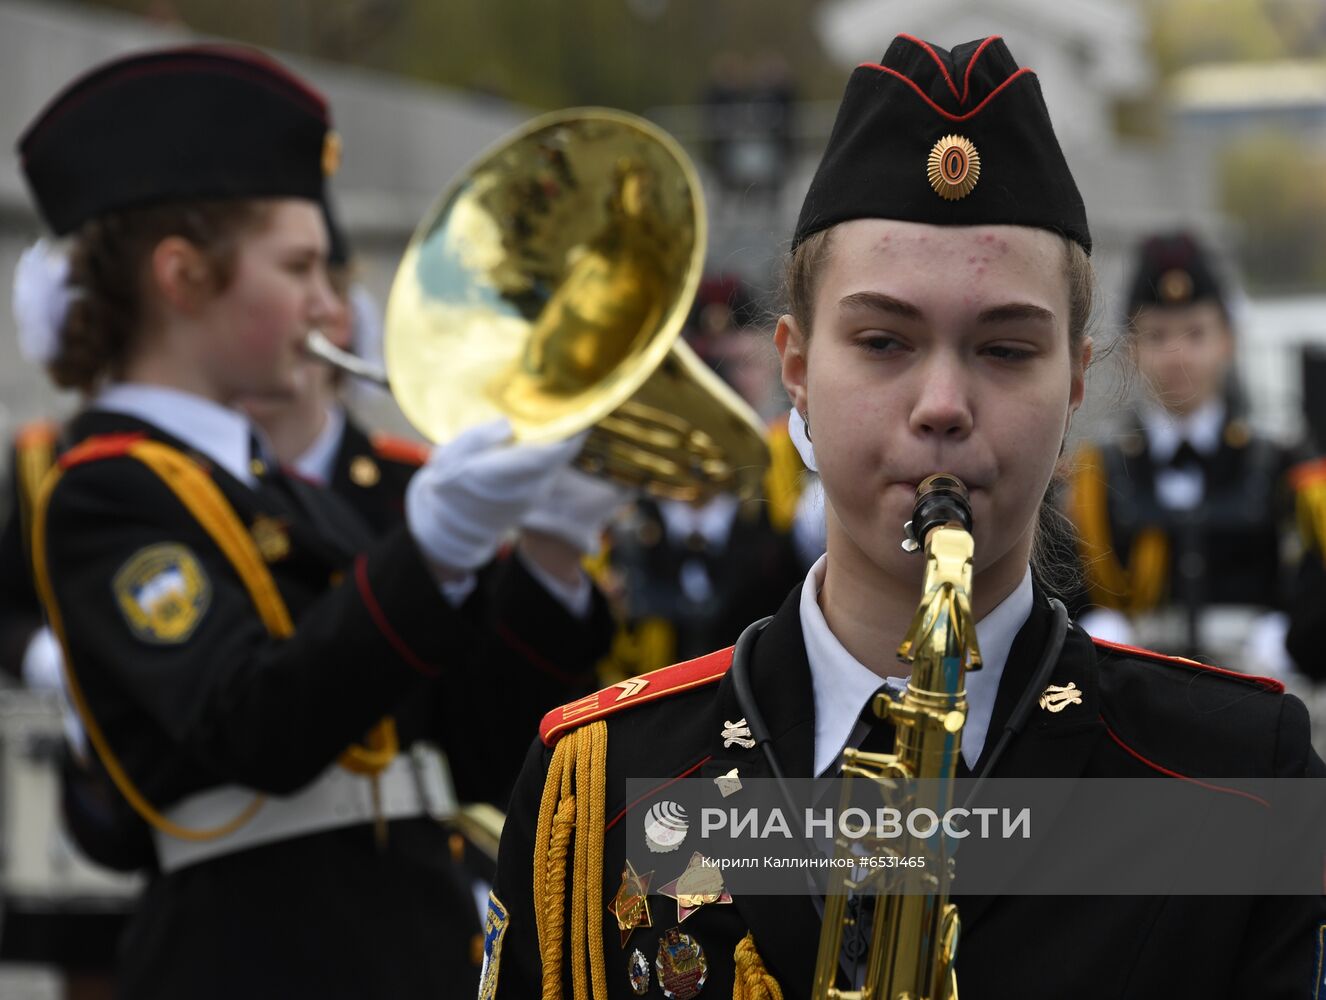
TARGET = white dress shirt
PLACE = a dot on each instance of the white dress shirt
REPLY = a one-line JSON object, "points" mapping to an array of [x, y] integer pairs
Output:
{"points": [[843, 686], [1182, 489], [317, 464], [220, 433]]}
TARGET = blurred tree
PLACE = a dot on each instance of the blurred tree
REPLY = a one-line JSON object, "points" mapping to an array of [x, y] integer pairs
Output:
{"points": [[1271, 187], [633, 54], [1188, 32]]}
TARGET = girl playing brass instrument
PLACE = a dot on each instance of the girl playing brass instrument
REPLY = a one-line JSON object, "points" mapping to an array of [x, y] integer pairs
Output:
{"points": [[258, 675], [939, 289]]}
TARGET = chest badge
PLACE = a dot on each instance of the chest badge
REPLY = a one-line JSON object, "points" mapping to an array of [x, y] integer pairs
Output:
{"points": [[1056, 698], [728, 784], [637, 972], [681, 965], [738, 734], [271, 537], [364, 471], [699, 885], [631, 904]]}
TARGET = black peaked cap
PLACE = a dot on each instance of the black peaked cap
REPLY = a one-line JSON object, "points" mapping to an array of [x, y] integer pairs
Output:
{"points": [[185, 123], [972, 119]]}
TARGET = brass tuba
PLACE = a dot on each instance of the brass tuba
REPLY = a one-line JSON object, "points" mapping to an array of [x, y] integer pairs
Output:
{"points": [[914, 938], [549, 285]]}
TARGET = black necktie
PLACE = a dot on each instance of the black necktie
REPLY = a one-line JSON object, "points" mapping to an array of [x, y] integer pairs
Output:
{"points": [[879, 733], [1186, 458]]}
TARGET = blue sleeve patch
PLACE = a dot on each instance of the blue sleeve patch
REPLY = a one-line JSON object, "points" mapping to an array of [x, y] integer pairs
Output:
{"points": [[1319, 964], [494, 929]]}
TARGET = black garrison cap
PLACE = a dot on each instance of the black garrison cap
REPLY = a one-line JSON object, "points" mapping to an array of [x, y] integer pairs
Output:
{"points": [[958, 138], [178, 124], [1173, 269]]}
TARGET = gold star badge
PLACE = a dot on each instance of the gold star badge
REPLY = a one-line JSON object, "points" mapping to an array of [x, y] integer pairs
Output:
{"points": [[701, 883], [954, 167], [631, 904]]}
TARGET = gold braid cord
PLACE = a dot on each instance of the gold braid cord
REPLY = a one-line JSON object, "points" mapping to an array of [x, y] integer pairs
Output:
{"points": [[785, 479], [204, 500], [572, 810], [750, 979], [1141, 585], [1310, 508]]}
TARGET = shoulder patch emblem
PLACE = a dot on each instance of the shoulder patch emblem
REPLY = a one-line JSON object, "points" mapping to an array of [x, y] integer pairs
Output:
{"points": [[163, 593], [494, 929]]}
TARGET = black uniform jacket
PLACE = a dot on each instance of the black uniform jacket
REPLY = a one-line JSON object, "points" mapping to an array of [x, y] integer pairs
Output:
{"points": [[1231, 541], [1306, 641], [750, 572], [1137, 714], [370, 472], [328, 914], [20, 610]]}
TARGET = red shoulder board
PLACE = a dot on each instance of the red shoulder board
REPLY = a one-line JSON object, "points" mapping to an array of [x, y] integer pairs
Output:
{"points": [[101, 446], [1306, 474], [635, 691], [1269, 683], [39, 433], [396, 449]]}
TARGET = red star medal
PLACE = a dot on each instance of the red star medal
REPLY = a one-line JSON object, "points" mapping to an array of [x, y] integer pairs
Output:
{"points": [[631, 904], [699, 884]]}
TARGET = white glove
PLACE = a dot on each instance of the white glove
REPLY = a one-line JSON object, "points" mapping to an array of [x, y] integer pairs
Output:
{"points": [[576, 508], [43, 662], [43, 670], [474, 491]]}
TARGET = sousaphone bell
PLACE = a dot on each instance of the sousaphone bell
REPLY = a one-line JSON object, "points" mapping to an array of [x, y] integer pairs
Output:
{"points": [[549, 285]]}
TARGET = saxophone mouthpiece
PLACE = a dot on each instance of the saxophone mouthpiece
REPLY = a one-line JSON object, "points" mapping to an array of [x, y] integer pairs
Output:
{"points": [[940, 499]]}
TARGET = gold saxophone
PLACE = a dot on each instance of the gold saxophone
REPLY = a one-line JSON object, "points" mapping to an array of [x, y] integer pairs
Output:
{"points": [[914, 938]]}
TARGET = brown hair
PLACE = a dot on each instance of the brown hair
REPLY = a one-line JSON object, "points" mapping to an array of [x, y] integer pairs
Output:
{"points": [[106, 267], [1053, 549]]}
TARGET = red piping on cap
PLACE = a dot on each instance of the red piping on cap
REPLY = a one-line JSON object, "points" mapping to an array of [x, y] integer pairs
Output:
{"points": [[938, 62], [966, 77], [253, 66], [937, 109]]}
